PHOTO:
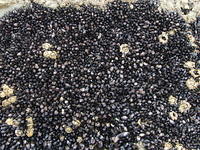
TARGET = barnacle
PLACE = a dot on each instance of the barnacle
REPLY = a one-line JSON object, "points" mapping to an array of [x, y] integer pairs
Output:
{"points": [[46, 46], [172, 100], [12, 122], [124, 48], [168, 146], [50, 54], [173, 115], [179, 146], [195, 73], [163, 38], [19, 132], [192, 84], [9, 101], [76, 123], [68, 129], [79, 139], [189, 64], [30, 127], [192, 40], [7, 91], [184, 106]]}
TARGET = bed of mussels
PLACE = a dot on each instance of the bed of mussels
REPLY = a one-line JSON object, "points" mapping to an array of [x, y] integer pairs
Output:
{"points": [[94, 96]]}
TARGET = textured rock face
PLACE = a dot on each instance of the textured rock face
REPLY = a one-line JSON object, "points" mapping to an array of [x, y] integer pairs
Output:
{"points": [[188, 9], [113, 78]]}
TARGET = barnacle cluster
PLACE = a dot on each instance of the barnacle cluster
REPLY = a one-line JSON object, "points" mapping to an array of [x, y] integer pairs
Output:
{"points": [[7, 93]]}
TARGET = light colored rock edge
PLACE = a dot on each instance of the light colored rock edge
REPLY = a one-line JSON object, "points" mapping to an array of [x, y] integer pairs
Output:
{"points": [[164, 5]]}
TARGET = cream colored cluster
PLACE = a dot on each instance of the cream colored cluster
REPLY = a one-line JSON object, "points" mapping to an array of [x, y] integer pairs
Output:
{"points": [[30, 129], [7, 92], [15, 123], [76, 123], [183, 106], [164, 36], [192, 40], [124, 49], [12, 122], [193, 82], [67, 129], [18, 132], [176, 146], [51, 54]]}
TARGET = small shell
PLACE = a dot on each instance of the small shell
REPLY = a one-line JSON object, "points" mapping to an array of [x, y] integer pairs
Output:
{"points": [[173, 115], [189, 64], [179, 146], [124, 48], [79, 139], [172, 100], [76, 123], [68, 129], [184, 106], [192, 84], [195, 72], [163, 38], [172, 32], [46, 46], [30, 129], [50, 54], [167, 146], [9, 101], [7, 91], [19, 132], [12, 122]]}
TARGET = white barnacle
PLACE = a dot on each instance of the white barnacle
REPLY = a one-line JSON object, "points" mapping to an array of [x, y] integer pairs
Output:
{"points": [[167, 146], [184, 106], [140, 146], [50, 54], [46, 46], [179, 147], [192, 40], [2, 94], [189, 64], [76, 123], [11, 122], [172, 100], [9, 101], [124, 48], [30, 129], [68, 129], [172, 32], [7, 91], [192, 84], [79, 139], [173, 115], [195, 72], [163, 38], [19, 132]]}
